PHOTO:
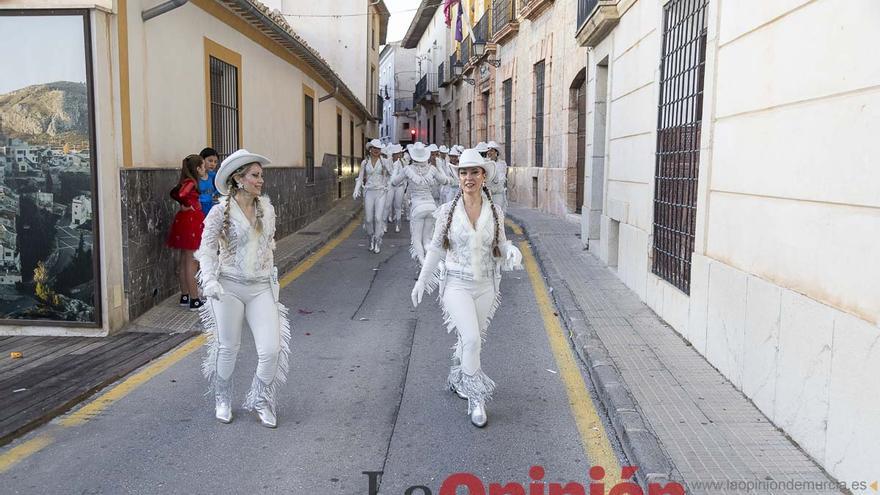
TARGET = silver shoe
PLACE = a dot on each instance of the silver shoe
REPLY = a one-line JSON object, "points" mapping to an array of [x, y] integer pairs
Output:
{"points": [[223, 411], [372, 244], [267, 415], [477, 412], [397, 228]]}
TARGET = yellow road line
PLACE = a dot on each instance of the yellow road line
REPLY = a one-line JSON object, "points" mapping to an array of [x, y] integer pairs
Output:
{"points": [[96, 406], [311, 260], [21, 452], [593, 435]]}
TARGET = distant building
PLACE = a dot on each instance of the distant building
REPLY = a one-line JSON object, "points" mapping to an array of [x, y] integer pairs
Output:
{"points": [[81, 210]]}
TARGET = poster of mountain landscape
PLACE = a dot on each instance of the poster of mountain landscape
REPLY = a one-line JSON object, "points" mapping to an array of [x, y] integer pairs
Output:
{"points": [[47, 184]]}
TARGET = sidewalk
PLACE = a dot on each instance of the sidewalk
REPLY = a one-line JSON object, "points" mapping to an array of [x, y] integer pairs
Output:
{"points": [[55, 373], [675, 415]]}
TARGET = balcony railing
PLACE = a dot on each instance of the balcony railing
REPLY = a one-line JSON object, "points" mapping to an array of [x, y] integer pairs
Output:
{"points": [[442, 80], [425, 89], [585, 7], [503, 13], [402, 105], [483, 29], [380, 102], [466, 50]]}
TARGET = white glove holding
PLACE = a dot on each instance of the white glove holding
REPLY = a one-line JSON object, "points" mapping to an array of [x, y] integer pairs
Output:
{"points": [[357, 190], [417, 293], [213, 289]]}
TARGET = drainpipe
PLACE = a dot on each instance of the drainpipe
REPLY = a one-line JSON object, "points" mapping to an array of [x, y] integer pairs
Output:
{"points": [[330, 95], [161, 9]]}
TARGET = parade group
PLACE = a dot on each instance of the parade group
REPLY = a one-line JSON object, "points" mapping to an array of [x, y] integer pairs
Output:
{"points": [[454, 200]]}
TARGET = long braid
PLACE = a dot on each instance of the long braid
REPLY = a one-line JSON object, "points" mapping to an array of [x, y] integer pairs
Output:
{"points": [[449, 220], [496, 251], [259, 213], [233, 191]]}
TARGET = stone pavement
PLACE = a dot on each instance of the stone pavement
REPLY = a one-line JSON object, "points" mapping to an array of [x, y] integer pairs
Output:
{"points": [[676, 416], [53, 374]]}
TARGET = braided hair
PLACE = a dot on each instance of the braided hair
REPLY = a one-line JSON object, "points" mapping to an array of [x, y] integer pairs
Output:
{"points": [[496, 251], [232, 183]]}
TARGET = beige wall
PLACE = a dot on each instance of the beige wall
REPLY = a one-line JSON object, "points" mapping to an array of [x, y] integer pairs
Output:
{"points": [[783, 296]]}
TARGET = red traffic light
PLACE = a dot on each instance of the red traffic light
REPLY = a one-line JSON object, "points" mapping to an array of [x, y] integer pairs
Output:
{"points": [[412, 133]]}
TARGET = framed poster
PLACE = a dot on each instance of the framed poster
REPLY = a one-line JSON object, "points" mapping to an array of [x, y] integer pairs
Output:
{"points": [[48, 182]]}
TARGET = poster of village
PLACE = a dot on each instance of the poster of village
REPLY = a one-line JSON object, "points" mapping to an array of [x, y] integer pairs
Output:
{"points": [[47, 228]]}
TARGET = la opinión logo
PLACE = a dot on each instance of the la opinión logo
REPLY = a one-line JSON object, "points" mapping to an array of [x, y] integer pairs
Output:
{"points": [[537, 485]]}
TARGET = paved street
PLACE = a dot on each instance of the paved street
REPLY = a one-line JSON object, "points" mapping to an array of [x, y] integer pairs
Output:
{"points": [[366, 393]]}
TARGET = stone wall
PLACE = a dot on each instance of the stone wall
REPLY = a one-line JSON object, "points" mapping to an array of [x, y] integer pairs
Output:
{"points": [[147, 212]]}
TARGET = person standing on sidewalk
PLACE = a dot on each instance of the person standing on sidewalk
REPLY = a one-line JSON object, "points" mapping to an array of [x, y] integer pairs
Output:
{"points": [[186, 229], [239, 278], [374, 179], [498, 185], [419, 178], [207, 191], [470, 239]]}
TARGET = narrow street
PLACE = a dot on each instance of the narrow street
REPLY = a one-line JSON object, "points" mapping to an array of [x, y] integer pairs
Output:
{"points": [[365, 393]]}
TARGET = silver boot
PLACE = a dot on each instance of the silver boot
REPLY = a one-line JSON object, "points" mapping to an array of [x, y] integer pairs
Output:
{"points": [[477, 412], [267, 415], [223, 400]]}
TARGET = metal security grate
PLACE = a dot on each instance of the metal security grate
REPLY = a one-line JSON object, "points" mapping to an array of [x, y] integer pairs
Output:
{"points": [[309, 116], [678, 139], [539, 114], [224, 107], [507, 88]]}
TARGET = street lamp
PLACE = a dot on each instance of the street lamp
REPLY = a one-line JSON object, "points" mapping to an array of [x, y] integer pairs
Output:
{"points": [[479, 48], [457, 69]]}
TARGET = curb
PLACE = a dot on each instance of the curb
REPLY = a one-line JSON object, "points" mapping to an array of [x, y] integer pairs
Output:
{"points": [[640, 444]]}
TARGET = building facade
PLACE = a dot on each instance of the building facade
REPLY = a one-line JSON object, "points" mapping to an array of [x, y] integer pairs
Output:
{"points": [[731, 185], [397, 81], [243, 79], [428, 36]]}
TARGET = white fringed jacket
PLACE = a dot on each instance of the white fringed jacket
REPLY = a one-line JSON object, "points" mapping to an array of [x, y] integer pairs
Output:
{"points": [[243, 255], [470, 248]]}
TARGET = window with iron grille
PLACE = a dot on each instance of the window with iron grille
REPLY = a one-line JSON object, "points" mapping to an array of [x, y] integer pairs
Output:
{"points": [[539, 114], [486, 115], [678, 139], [309, 116], [338, 144], [508, 111], [224, 107], [470, 123]]}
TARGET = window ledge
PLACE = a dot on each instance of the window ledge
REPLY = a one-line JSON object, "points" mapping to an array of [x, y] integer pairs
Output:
{"points": [[599, 23], [534, 8]]}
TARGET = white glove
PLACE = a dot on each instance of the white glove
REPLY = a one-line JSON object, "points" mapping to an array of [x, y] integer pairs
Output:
{"points": [[417, 293], [213, 289], [357, 191], [512, 257]]}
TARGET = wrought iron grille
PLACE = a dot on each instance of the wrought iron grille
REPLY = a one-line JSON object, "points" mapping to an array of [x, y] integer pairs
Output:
{"points": [[224, 107], [503, 13], [507, 89], [441, 75], [351, 146], [466, 50], [678, 139], [309, 116], [539, 114], [483, 29], [585, 8]]}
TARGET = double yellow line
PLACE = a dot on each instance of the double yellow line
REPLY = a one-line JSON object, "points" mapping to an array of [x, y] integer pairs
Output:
{"points": [[79, 417]]}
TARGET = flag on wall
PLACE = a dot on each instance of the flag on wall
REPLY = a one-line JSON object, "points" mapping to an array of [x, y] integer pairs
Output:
{"points": [[458, 36], [447, 10]]}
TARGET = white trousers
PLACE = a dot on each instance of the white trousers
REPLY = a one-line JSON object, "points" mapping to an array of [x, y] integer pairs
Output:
{"points": [[468, 306], [268, 323], [421, 229], [394, 204], [374, 212]]}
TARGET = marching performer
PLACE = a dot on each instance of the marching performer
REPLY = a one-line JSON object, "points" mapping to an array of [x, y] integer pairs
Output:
{"points": [[419, 178], [239, 279], [373, 178], [469, 237], [394, 200], [450, 191], [498, 186]]}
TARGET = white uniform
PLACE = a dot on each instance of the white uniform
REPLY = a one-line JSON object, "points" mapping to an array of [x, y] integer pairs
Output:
{"points": [[241, 260], [374, 179], [420, 178], [498, 185]]}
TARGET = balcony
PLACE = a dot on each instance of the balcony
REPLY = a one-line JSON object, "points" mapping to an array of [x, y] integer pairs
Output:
{"points": [[425, 91], [442, 79], [504, 23], [380, 102], [483, 29], [403, 105], [531, 9], [596, 18]]}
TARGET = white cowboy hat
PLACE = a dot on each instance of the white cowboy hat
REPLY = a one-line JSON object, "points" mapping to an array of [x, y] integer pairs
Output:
{"points": [[492, 145], [397, 149], [433, 147], [418, 152], [375, 143], [472, 158], [455, 151], [443, 149], [388, 150], [481, 147], [231, 164]]}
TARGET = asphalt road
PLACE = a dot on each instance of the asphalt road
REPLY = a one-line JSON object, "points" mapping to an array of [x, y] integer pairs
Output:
{"points": [[366, 393]]}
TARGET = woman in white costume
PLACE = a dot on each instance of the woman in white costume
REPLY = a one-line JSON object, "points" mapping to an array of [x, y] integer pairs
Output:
{"points": [[450, 191], [498, 185], [239, 280], [419, 178], [374, 179], [434, 161], [394, 200], [469, 237]]}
